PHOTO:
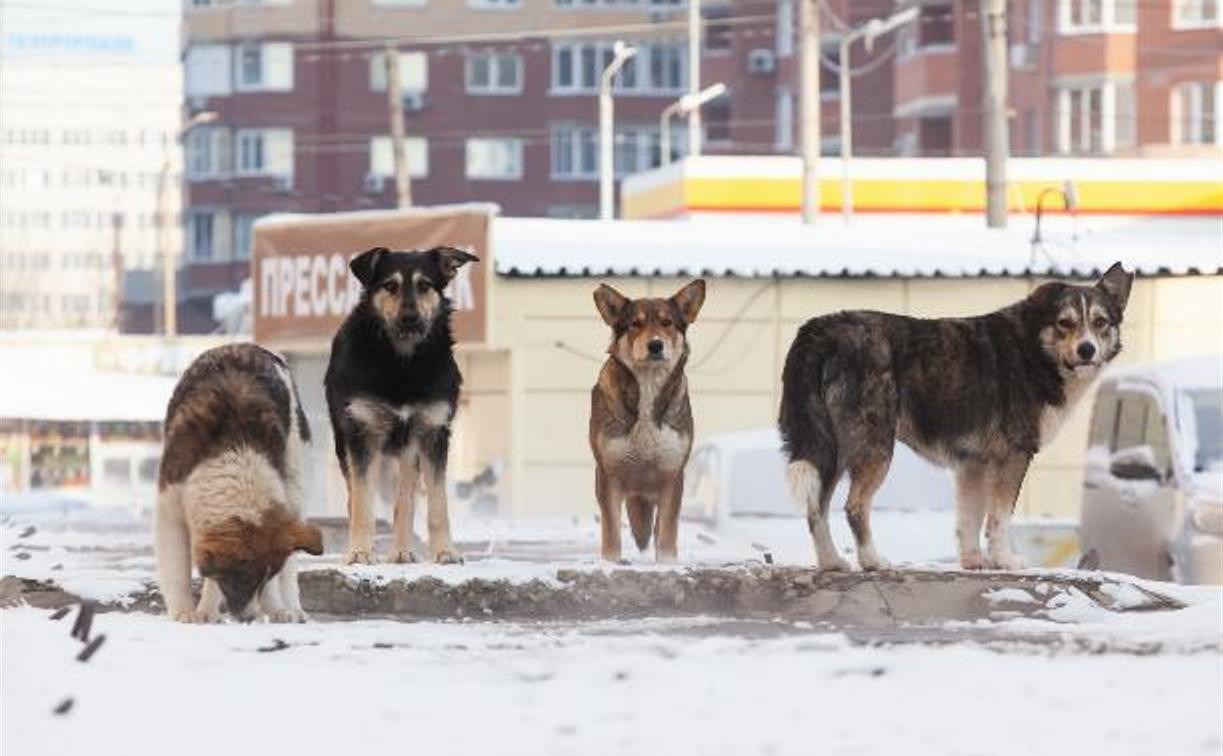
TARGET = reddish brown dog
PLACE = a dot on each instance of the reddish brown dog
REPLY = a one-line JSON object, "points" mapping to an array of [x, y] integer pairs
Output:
{"points": [[640, 418]]}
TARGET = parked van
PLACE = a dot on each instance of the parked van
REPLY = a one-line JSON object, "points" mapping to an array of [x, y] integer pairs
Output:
{"points": [[1153, 485]]}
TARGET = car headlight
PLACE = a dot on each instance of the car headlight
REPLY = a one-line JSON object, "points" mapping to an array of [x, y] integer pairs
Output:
{"points": [[1208, 518]]}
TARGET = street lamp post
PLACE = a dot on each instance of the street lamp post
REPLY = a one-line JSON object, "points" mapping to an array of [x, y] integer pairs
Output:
{"points": [[169, 281], [867, 32], [621, 54], [682, 106]]}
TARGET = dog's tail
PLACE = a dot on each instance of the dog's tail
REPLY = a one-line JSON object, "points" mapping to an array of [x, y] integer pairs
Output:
{"points": [[808, 436], [640, 519]]}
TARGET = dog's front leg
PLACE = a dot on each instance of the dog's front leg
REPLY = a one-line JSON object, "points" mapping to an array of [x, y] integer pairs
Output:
{"points": [[666, 543], [290, 592], [209, 608], [435, 449], [609, 495], [1002, 489], [970, 505], [172, 543], [360, 509], [405, 507]]}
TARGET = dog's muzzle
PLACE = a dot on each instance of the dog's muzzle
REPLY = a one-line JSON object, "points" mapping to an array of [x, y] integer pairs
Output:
{"points": [[655, 348]]}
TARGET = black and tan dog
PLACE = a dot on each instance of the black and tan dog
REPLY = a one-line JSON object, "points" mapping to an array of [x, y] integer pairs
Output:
{"points": [[392, 387], [979, 395], [229, 492], [640, 418]]}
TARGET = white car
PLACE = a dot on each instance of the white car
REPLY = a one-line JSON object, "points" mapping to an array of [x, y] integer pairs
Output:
{"points": [[1153, 485]]}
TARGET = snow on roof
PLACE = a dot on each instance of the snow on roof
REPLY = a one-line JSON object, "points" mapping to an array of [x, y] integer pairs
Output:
{"points": [[874, 245], [82, 395], [1205, 372]]}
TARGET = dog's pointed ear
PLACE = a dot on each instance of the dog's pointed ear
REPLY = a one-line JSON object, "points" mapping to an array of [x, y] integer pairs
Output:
{"points": [[1116, 283], [307, 538], [364, 264], [611, 304], [690, 298], [450, 259]]}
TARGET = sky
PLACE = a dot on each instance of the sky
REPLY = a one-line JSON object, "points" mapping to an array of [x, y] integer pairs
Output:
{"points": [[134, 30]]}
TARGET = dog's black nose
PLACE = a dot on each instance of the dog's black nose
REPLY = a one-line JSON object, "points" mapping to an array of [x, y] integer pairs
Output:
{"points": [[655, 346], [1086, 350]]}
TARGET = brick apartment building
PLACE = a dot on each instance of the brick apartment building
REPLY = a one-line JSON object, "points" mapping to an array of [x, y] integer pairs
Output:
{"points": [[500, 95]]}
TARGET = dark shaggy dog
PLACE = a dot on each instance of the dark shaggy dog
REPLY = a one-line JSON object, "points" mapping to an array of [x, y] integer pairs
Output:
{"points": [[392, 387], [640, 419], [980, 395], [229, 492]]}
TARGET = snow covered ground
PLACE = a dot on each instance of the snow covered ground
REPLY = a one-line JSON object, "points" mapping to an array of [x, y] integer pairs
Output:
{"points": [[1130, 683]]}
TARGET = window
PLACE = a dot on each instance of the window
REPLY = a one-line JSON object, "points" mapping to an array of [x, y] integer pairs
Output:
{"points": [[382, 159], [1095, 118], [199, 235], [494, 158], [719, 35], [207, 71], [575, 153], [656, 68], [207, 149], [264, 67], [1195, 14], [495, 4], [783, 120], [494, 73], [1195, 112], [413, 72], [244, 236], [1093, 16], [785, 28], [265, 152], [934, 28]]}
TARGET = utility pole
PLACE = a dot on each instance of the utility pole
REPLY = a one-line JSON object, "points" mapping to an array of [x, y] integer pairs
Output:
{"points": [[809, 106], [993, 47], [694, 75], [621, 53], [394, 104]]}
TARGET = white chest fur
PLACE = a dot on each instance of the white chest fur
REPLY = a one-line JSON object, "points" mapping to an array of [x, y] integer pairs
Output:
{"points": [[1052, 418], [649, 442]]}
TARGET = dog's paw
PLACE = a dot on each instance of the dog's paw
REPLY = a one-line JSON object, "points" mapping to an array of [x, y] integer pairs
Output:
{"points": [[836, 564], [447, 555], [193, 617], [972, 561], [287, 617], [1004, 561], [359, 556], [402, 556], [870, 561]]}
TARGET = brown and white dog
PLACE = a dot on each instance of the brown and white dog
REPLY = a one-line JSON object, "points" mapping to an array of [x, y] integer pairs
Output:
{"points": [[229, 492], [640, 418]]}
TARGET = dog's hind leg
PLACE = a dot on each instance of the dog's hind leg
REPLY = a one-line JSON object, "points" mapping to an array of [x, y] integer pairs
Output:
{"points": [[809, 489], [610, 497], [435, 449], [865, 479], [970, 503], [405, 507], [1002, 489]]}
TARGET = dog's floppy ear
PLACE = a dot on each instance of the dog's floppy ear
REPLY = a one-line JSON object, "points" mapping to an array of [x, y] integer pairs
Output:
{"points": [[1116, 283], [611, 304], [307, 538], [690, 298], [364, 264], [450, 259]]}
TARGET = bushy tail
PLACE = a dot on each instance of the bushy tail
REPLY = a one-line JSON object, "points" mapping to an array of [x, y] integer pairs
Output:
{"points": [[806, 426], [640, 520]]}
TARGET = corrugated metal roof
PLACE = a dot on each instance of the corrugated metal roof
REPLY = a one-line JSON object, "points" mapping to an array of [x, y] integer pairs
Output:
{"points": [[872, 246]]}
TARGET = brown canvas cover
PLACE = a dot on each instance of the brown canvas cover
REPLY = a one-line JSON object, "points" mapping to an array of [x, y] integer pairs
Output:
{"points": [[304, 288]]}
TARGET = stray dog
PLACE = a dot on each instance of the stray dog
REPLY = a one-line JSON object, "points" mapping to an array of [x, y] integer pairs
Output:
{"points": [[392, 387], [979, 395], [229, 488], [640, 418]]}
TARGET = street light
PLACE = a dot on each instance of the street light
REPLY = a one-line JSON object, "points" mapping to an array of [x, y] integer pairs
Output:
{"points": [[620, 54], [683, 106], [867, 32], [169, 281]]}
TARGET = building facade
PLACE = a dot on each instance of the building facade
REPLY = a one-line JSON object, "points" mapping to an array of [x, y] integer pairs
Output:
{"points": [[89, 169], [500, 105]]}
